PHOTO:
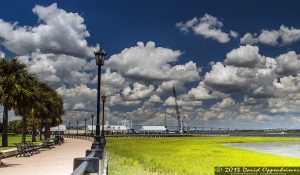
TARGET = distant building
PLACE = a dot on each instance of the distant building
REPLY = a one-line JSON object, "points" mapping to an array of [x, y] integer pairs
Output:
{"points": [[275, 129], [59, 128], [89, 128], [123, 126], [126, 123], [153, 129], [117, 129], [109, 128]]}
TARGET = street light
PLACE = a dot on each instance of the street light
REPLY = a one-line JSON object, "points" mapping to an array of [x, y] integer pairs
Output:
{"points": [[99, 56], [103, 141], [69, 126], [92, 124], [77, 127], [84, 126]]}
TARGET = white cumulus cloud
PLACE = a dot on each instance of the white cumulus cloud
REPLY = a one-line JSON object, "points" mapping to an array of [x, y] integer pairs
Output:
{"points": [[138, 92], [57, 32], [151, 63], [207, 26], [59, 70], [245, 56], [2, 54], [288, 64], [283, 36], [79, 98]]}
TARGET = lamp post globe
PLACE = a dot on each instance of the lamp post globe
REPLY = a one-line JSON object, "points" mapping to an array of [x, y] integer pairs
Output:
{"points": [[103, 97], [99, 56]]}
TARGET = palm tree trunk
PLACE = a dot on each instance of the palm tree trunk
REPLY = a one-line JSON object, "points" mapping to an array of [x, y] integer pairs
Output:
{"points": [[24, 127], [41, 126], [5, 127], [41, 131], [47, 131], [33, 139]]}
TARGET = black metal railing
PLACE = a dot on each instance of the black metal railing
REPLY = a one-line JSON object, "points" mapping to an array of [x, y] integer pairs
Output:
{"points": [[94, 162]]}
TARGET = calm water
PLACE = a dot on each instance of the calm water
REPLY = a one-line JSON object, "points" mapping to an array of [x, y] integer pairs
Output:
{"points": [[285, 148]]}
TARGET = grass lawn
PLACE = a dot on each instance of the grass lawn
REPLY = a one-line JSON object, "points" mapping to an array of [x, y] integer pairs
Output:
{"points": [[187, 156], [12, 139]]}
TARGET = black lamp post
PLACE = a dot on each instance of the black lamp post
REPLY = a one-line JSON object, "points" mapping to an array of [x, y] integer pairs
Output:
{"points": [[103, 141], [69, 126], [99, 56], [77, 127], [92, 124], [58, 130], [84, 126]]}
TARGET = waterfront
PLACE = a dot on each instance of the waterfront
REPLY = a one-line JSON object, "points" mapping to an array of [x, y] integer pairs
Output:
{"points": [[284, 148]]}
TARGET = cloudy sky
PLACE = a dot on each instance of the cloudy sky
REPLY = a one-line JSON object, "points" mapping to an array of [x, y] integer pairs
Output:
{"points": [[233, 64]]}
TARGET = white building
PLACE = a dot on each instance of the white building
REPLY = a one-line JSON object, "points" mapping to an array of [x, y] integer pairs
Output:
{"points": [[89, 128], [153, 129], [59, 128], [123, 127], [109, 128], [117, 129], [126, 123]]}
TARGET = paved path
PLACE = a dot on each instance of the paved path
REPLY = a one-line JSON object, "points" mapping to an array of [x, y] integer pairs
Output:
{"points": [[56, 161]]}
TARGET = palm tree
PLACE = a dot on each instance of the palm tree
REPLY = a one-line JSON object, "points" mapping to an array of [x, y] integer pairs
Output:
{"points": [[38, 108], [50, 114], [56, 111], [25, 107], [20, 90], [10, 71], [33, 115], [15, 127], [47, 106], [17, 87]]}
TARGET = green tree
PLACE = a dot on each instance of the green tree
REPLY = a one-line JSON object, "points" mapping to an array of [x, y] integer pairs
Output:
{"points": [[16, 90], [41, 108], [20, 90], [28, 99], [15, 127], [53, 109]]}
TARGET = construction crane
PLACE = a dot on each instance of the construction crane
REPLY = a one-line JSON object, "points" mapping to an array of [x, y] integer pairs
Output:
{"points": [[165, 120], [180, 121]]}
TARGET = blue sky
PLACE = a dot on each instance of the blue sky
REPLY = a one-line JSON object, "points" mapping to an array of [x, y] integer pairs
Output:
{"points": [[119, 24], [228, 52]]}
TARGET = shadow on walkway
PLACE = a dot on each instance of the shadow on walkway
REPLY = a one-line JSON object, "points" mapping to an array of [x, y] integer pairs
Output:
{"points": [[4, 165]]}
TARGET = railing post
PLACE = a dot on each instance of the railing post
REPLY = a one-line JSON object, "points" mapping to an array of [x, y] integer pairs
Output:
{"points": [[92, 164], [97, 153]]}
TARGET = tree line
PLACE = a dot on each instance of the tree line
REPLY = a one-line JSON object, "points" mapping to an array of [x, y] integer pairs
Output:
{"points": [[33, 100]]}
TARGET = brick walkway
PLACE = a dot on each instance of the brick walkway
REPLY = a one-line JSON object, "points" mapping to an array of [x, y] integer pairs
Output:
{"points": [[56, 161]]}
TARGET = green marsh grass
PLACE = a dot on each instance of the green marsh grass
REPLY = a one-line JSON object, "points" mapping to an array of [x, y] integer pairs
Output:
{"points": [[187, 155]]}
